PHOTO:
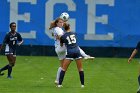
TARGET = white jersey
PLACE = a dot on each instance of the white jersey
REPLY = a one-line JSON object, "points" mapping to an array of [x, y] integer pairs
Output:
{"points": [[60, 50], [57, 31]]}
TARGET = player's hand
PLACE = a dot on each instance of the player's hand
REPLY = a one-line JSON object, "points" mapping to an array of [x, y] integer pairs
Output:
{"points": [[18, 44], [129, 60]]}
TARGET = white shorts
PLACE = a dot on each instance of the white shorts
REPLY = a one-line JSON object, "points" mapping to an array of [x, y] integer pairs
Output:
{"points": [[61, 52]]}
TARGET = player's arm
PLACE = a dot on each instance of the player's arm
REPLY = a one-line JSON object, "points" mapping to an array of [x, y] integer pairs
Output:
{"points": [[1, 46], [134, 52], [20, 40], [61, 41], [132, 55], [58, 37], [4, 42]]}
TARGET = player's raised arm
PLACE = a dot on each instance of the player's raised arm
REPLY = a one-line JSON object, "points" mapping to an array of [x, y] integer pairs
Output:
{"points": [[134, 52]]}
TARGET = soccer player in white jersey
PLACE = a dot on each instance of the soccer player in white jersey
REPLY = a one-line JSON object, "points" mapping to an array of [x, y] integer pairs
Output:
{"points": [[57, 31]]}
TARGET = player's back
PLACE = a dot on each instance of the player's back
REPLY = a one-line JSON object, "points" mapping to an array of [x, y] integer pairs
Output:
{"points": [[70, 41]]}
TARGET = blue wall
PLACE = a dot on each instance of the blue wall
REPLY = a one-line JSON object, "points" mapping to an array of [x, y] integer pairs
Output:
{"points": [[119, 28]]}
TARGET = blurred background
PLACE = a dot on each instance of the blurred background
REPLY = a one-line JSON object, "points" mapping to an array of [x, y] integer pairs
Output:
{"points": [[104, 28]]}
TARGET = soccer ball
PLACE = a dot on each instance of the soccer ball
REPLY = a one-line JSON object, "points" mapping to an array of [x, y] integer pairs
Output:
{"points": [[64, 16]]}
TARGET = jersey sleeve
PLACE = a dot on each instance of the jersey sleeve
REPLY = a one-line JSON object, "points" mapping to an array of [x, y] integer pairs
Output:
{"points": [[19, 37], [5, 39], [138, 46]]}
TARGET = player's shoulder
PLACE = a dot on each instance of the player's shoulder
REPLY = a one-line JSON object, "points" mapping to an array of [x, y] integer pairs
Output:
{"points": [[18, 33], [69, 33], [8, 33], [58, 28], [58, 31], [138, 42], [138, 45]]}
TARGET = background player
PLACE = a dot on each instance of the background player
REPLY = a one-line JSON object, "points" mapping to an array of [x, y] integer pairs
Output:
{"points": [[10, 43], [130, 59]]}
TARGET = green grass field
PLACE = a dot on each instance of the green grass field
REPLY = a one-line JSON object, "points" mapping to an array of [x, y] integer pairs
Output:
{"points": [[35, 74]]}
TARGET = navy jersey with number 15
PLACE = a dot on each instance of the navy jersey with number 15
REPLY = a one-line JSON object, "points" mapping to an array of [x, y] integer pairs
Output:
{"points": [[72, 48]]}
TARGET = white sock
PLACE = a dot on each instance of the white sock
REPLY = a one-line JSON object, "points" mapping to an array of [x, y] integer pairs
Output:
{"points": [[83, 53], [58, 73]]}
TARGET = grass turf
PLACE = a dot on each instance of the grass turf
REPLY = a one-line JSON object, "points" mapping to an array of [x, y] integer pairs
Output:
{"points": [[35, 74]]}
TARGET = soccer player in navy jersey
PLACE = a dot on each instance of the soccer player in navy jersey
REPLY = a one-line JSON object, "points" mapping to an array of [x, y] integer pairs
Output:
{"points": [[10, 42], [137, 49], [56, 28], [73, 52]]}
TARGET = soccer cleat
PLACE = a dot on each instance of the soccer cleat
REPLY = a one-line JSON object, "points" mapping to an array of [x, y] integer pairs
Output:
{"points": [[138, 91], [56, 82], [9, 77], [82, 86], [59, 86], [88, 57], [1, 74]]}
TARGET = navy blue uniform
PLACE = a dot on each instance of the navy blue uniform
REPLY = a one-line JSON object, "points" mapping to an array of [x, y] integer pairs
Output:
{"points": [[138, 46], [73, 51], [10, 41]]}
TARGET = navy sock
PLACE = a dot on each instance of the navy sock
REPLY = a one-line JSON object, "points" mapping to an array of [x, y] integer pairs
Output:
{"points": [[4, 68], [139, 79], [9, 70], [81, 73], [62, 74]]}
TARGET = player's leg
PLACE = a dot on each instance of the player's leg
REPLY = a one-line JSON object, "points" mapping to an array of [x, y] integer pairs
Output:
{"points": [[7, 52], [61, 53], [11, 60], [64, 69], [3, 68], [58, 72], [81, 72], [9, 66], [85, 55]]}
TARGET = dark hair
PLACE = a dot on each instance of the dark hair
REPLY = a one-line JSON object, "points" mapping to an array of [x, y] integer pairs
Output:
{"points": [[67, 27], [12, 24]]}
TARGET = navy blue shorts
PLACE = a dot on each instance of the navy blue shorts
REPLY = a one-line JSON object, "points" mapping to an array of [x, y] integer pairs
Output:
{"points": [[73, 54], [9, 50]]}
